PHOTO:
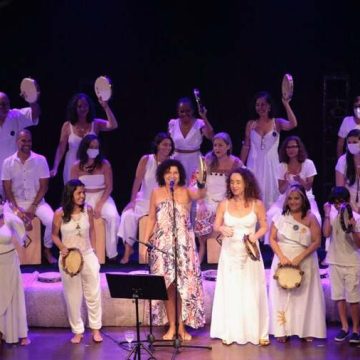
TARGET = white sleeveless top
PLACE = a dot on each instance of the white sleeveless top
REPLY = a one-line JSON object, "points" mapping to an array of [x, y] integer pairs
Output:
{"points": [[75, 233], [93, 181]]}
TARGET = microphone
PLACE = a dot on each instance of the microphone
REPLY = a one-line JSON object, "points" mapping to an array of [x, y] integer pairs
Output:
{"points": [[172, 184]]}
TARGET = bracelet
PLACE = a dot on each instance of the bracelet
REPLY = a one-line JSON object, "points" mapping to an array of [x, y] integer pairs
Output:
{"points": [[200, 185]]}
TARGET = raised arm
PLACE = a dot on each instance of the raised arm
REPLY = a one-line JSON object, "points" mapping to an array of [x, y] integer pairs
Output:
{"points": [[111, 123], [207, 129], [35, 112], [291, 123], [61, 148]]}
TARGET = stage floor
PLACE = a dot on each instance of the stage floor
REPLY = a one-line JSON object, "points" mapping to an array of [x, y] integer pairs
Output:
{"points": [[53, 344]]}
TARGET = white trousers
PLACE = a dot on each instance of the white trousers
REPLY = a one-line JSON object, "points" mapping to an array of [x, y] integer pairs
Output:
{"points": [[112, 220], [45, 214], [128, 226], [85, 284]]}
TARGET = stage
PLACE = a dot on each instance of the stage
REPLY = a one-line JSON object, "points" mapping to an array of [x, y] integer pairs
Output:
{"points": [[46, 305]]}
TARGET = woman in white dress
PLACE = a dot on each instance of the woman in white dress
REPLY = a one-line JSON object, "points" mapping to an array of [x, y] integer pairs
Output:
{"points": [[144, 184], [80, 122], [187, 133], [219, 163], [95, 172], [240, 308], [13, 324], [260, 147], [294, 168], [295, 236], [75, 221]]}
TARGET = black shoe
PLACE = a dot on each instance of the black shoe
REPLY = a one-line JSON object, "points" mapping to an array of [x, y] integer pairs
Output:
{"points": [[354, 338], [341, 335]]}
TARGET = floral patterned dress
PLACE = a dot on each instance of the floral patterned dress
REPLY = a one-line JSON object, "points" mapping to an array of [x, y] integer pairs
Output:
{"points": [[188, 267]]}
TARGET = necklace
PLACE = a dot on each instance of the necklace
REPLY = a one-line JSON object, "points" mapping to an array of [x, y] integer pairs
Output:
{"points": [[89, 168], [77, 223]]}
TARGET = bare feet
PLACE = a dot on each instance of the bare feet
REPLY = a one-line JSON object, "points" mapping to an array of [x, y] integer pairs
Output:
{"points": [[76, 339], [49, 257], [128, 252], [184, 335], [96, 336], [169, 335], [264, 342], [25, 341]]}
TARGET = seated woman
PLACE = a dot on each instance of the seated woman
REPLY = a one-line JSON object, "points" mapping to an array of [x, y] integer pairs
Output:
{"points": [[13, 324], [95, 172], [80, 121], [144, 184], [173, 197], [219, 163], [295, 236], [348, 168], [295, 168]]}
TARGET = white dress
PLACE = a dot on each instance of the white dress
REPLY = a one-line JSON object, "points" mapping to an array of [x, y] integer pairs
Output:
{"points": [[192, 142], [13, 324], [70, 157], [263, 161], [299, 311], [108, 212], [240, 308], [129, 219]]}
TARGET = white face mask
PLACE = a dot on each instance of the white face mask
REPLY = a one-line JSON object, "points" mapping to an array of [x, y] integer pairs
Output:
{"points": [[353, 148], [357, 112], [92, 153]]}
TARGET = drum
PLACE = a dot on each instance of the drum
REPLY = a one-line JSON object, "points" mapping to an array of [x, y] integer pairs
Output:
{"points": [[49, 277], [346, 215], [287, 87], [73, 262], [288, 276], [29, 90], [251, 248], [103, 88]]}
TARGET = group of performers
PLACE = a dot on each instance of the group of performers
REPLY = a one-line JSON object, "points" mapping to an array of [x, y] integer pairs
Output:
{"points": [[244, 199]]}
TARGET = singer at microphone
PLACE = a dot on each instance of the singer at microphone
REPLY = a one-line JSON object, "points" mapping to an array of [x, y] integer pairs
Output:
{"points": [[172, 184]]}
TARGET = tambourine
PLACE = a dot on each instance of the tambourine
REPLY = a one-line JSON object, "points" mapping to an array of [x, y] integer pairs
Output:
{"points": [[346, 214], [251, 249], [202, 170], [29, 90], [288, 276], [49, 277], [73, 262], [287, 87], [103, 88]]}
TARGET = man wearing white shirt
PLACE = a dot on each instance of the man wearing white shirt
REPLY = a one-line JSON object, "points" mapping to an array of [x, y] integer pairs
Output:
{"points": [[11, 122], [25, 177]]}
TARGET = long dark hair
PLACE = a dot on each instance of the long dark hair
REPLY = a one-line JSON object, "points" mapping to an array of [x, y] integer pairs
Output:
{"points": [[82, 152], [251, 191], [305, 206], [67, 200], [72, 115], [165, 166], [159, 138], [269, 100], [350, 166], [302, 153]]}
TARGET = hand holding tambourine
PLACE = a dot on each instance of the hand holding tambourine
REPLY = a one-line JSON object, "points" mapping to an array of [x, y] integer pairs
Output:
{"points": [[29, 90], [287, 88]]}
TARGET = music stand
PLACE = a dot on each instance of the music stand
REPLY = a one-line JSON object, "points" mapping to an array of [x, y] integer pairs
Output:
{"points": [[139, 286]]}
